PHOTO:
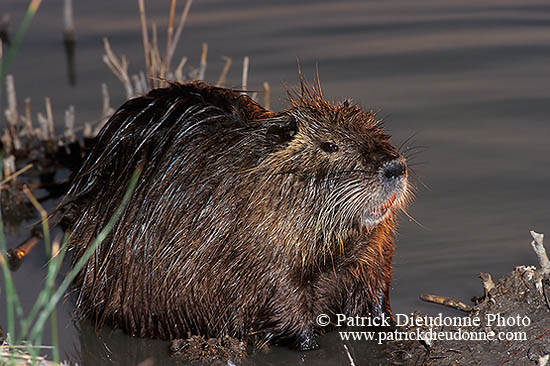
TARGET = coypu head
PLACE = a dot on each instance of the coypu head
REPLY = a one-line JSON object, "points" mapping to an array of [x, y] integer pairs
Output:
{"points": [[354, 176]]}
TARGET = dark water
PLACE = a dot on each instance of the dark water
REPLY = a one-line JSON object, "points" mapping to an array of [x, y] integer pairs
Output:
{"points": [[470, 79]]}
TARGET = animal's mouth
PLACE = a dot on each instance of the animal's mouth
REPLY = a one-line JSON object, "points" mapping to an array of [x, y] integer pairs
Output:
{"points": [[379, 212]]}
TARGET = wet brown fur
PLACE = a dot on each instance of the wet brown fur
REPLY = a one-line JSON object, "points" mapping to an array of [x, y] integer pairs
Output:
{"points": [[239, 224]]}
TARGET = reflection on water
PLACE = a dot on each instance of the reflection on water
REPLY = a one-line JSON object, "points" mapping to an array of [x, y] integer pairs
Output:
{"points": [[469, 78]]}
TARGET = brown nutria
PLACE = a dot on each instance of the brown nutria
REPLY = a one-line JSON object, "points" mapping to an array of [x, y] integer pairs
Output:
{"points": [[244, 222]]}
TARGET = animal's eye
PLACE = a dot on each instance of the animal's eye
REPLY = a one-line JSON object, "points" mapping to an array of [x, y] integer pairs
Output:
{"points": [[329, 147]]}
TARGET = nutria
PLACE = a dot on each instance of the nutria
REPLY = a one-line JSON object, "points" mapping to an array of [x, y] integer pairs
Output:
{"points": [[244, 222]]}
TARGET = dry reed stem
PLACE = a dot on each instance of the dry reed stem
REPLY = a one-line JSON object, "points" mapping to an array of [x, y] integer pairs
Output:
{"points": [[69, 125], [7, 141], [68, 21], [143, 80], [267, 96], [144, 35], [179, 70], [28, 131], [181, 23], [169, 38], [9, 166], [107, 109], [88, 132], [43, 132], [245, 74], [138, 90], [155, 57], [11, 113], [49, 115], [14, 175], [202, 67], [223, 75], [119, 67]]}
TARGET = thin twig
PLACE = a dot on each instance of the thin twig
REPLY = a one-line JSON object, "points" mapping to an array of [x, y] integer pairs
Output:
{"points": [[446, 301]]}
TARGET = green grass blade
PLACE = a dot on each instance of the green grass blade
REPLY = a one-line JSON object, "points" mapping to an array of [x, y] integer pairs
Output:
{"points": [[45, 313], [44, 294], [31, 10]]}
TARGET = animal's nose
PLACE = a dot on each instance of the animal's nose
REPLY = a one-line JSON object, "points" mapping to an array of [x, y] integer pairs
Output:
{"points": [[395, 169]]}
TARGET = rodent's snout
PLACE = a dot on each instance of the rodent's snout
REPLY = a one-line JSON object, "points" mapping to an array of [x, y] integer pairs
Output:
{"points": [[395, 169]]}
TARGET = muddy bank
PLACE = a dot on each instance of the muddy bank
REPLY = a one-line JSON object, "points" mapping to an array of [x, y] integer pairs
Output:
{"points": [[508, 324]]}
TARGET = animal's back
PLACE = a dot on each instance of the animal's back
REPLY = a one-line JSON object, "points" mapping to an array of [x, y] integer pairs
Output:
{"points": [[189, 139]]}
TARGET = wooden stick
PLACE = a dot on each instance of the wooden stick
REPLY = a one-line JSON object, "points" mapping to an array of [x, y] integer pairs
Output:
{"points": [[446, 301]]}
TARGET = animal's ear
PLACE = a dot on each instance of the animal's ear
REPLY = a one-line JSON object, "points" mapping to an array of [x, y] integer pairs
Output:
{"points": [[282, 131]]}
